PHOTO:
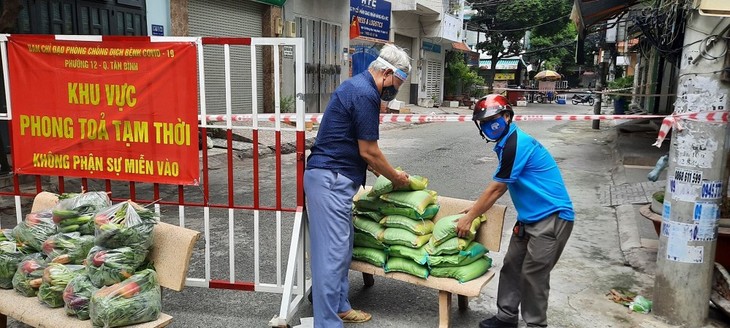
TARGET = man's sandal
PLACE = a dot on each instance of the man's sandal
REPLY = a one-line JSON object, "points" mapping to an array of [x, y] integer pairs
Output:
{"points": [[355, 316]]}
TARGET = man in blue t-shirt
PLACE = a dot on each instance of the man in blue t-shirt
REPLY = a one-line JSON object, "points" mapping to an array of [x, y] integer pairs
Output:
{"points": [[346, 145], [544, 215]]}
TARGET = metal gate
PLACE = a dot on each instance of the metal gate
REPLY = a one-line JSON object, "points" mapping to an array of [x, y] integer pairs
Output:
{"points": [[321, 57], [262, 198]]}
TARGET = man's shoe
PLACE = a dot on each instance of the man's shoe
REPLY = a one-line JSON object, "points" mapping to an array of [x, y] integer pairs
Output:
{"points": [[493, 322]]}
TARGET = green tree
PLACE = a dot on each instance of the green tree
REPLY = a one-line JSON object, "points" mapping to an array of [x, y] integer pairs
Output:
{"points": [[552, 40], [460, 79], [504, 24], [555, 50]]}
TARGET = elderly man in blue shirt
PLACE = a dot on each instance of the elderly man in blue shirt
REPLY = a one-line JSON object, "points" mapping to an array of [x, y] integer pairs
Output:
{"points": [[544, 215], [346, 144]]}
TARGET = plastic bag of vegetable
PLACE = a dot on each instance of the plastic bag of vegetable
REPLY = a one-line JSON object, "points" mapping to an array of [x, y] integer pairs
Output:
{"points": [[125, 225], [110, 266], [10, 257], [33, 231], [131, 301], [74, 212], [55, 278], [68, 248], [7, 235], [28, 277], [77, 295]]}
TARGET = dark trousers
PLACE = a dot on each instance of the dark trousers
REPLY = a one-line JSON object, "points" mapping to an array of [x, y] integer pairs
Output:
{"points": [[525, 276]]}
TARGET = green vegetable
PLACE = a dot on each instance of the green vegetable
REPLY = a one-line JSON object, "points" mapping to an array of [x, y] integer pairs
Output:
{"points": [[77, 295], [75, 210], [109, 266], [67, 248], [8, 265], [55, 278], [27, 278], [135, 300], [33, 231], [125, 225]]}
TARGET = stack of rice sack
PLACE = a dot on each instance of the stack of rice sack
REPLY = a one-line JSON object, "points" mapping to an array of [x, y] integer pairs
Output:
{"points": [[87, 256], [394, 230], [392, 227], [452, 257]]}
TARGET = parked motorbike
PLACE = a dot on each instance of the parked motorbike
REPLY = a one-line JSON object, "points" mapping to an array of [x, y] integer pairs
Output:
{"points": [[583, 98]]}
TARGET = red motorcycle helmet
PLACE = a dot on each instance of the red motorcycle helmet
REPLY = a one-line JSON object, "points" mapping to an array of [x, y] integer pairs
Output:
{"points": [[491, 105]]}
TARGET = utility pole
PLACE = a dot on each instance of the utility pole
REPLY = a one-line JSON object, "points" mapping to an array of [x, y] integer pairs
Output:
{"points": [[695, 180], [599, 101]]}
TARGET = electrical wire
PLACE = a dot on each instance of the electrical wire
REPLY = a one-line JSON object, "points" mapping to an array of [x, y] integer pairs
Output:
{"points": [[522, 28]]}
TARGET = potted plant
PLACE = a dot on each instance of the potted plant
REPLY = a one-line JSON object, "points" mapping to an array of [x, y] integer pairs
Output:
{"points": [[622, 85]]}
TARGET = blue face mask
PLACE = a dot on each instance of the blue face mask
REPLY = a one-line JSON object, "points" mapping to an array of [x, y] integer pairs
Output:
{"points": [[494, 129]]}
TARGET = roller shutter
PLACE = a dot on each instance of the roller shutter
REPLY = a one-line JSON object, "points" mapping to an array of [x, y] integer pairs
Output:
{"points": [[231, 19]]}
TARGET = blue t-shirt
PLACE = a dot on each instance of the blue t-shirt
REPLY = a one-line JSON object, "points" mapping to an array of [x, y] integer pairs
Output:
{"points": [[532, 177], [353, 113]]}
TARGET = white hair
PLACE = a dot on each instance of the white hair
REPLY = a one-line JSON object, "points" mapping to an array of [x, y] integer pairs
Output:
{"points": [[394, 55]]}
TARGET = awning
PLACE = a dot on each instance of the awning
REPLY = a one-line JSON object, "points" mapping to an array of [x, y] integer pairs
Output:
{"points": [[587, 13], [506, 64], [461, 46]]}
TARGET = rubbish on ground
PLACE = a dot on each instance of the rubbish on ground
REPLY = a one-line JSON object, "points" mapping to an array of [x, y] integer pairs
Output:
{"points": [[640, 304], [621, 296]]}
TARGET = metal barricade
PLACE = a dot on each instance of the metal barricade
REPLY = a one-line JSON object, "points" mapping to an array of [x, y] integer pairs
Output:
{"points": [[259, 193]]}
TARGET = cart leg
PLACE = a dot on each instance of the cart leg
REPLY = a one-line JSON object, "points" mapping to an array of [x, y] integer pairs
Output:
{"points": [[3, 321], [463, 303], [368, 279], [444, 307]]}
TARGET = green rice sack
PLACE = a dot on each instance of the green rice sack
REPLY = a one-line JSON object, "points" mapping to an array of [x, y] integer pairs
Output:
{"points": [[418, 255], [445, 228], [451, 246], [369, 227], [464, 273], [472, 253], [366, 240], [429, 213], [383, 185], [372, 215], [373, 256], [398, 264], [397, 236], [418, 227], [365, 203], [417, 200]]}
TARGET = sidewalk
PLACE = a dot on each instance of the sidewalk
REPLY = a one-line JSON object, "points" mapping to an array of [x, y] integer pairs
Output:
{"points": [[631, 190]]}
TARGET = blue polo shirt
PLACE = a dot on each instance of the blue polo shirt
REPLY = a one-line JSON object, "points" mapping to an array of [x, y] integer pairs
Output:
{"points": [[532, 177], [353, 113]]}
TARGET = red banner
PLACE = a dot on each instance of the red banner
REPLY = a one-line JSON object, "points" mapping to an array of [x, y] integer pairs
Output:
{"points": [[124, 108]]}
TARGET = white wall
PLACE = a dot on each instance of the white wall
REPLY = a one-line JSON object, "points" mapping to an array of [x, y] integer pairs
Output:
{"points": [[158, 13]]}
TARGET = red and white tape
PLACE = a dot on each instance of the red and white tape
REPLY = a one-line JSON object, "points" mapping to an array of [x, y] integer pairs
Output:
{"points": [[667, 124]]}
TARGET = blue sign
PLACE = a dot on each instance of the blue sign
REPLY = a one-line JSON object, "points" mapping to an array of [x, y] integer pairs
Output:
{"points": [[432, 47], [362, 57], [158, 30], [374, 18]]}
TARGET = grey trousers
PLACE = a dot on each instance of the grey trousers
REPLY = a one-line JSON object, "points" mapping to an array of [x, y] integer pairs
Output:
{"points": [[525, 276]]}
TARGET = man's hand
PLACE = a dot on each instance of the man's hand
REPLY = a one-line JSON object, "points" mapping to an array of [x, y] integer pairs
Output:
{"points": [[466, 210], [463, 226], [401, 180]]}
